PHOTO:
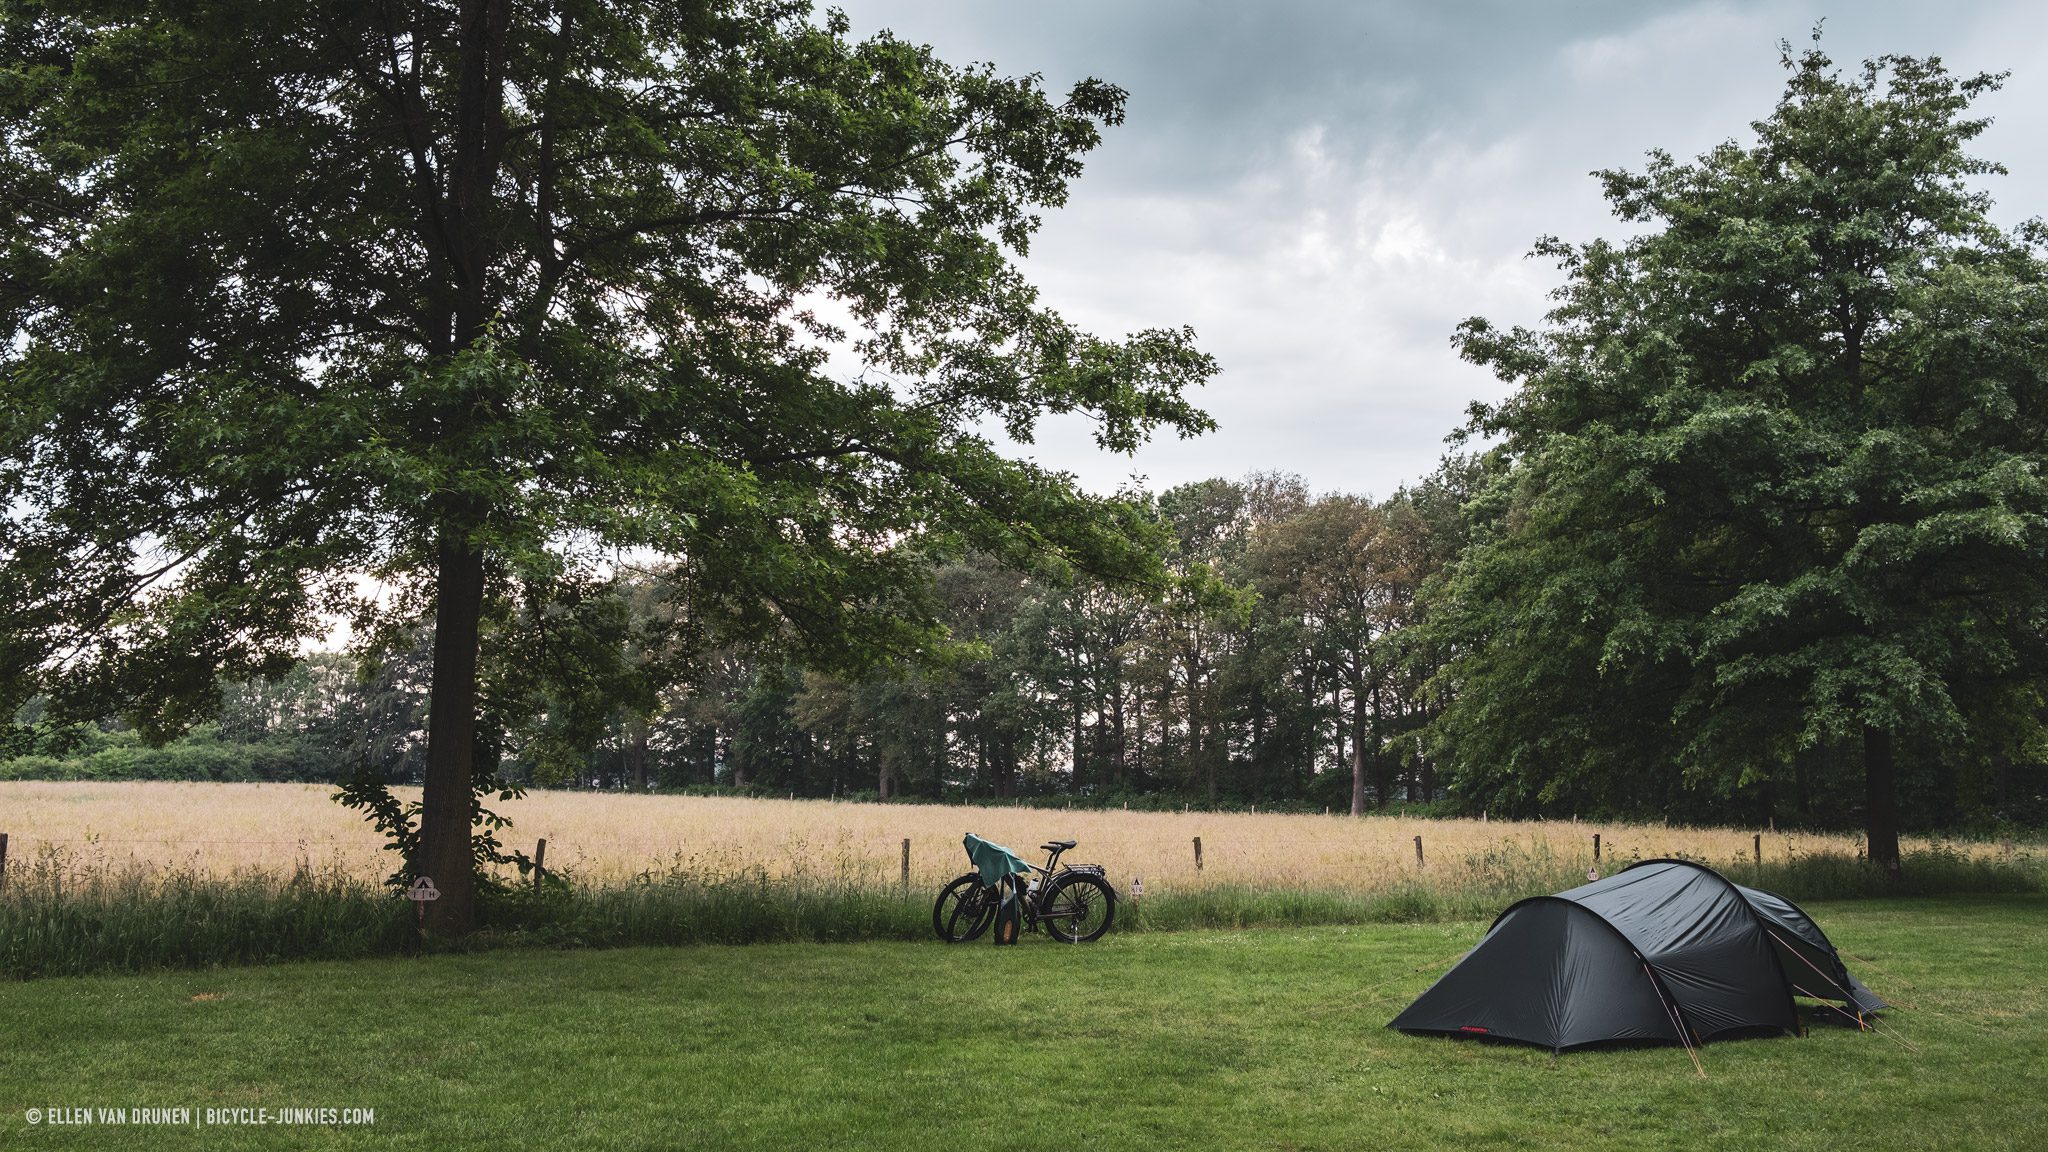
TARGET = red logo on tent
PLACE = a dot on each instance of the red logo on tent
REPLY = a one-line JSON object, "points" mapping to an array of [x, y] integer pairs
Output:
{"points": [[1470, 1028]]}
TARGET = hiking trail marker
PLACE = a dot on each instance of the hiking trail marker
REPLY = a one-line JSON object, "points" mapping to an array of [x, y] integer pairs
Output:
{"points": [[422, 890]]}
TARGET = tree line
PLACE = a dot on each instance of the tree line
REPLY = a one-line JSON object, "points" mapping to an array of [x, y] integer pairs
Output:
{"points": [[1274, 662], [1297, 657]]}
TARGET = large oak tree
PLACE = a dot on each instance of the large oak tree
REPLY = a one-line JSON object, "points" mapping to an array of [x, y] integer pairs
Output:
{"points": [[1779, 475], [470, 295]]}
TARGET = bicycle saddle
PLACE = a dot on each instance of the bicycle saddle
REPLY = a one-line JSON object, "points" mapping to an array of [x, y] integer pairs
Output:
{"points": [[1062, 845]]}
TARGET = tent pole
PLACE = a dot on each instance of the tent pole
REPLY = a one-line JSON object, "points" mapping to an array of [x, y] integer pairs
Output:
{"points": [[1677, 1021], [1772, 933]]}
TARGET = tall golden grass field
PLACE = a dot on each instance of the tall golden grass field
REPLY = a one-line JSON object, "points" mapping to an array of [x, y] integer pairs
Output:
{"points": [[609, 837]]}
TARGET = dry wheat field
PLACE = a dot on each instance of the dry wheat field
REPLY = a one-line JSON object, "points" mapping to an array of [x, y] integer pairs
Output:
{"points": [[222, 829]]}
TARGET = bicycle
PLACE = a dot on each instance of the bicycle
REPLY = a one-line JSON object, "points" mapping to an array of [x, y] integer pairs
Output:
{"points": [[1074, 901]]}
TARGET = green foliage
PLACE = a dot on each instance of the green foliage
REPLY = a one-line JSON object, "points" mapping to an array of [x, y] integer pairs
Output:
{"points": [[575, 323], [399, 824], [1776, 485], [201, 756]]}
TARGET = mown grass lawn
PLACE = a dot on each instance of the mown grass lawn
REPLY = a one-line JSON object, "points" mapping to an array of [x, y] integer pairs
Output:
{"points": [[1228, 1040]]}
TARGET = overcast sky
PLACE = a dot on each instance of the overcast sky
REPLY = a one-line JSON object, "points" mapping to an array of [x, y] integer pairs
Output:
{"points": [[1324, 188]]}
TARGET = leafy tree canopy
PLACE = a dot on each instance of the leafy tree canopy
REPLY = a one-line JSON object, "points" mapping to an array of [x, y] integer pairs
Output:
{"points": [[471, 295], [1778, 465]]}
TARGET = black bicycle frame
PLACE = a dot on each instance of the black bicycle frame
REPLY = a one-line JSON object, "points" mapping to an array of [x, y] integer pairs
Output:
{"points": [[1031, 901]]}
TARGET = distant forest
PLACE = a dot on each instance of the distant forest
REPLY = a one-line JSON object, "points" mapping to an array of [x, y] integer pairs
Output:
{"points": [[1288, 662]]}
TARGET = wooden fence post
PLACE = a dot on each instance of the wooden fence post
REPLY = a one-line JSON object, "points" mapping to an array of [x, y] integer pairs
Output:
{"points": [[1198, 853], [1596, 848], [1418, 851], [3, 861], [540, 862], [1758, 844], [906, 863]]}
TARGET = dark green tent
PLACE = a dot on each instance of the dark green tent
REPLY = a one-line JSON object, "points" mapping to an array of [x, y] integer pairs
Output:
{"points": [[1666, 950]]}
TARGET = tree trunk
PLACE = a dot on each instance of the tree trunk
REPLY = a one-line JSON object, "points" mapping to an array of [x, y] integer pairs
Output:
{"points": [[1881, 807], [445, 817], [1163, 709], [1003, 760], [1074, 776], [636, 752], [1357, 753], [1383, 770], [1137, 765], [1120, 763]]}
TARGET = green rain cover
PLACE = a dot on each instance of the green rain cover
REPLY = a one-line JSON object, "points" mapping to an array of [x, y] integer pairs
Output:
{"points": [[993, 860]]}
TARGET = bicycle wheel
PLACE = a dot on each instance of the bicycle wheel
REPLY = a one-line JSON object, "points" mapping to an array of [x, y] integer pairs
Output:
{"points": [[964, 910], [1079, 908]]}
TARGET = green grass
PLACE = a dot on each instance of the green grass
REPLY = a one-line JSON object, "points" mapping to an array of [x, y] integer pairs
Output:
{"points": [[1268, 1039]]}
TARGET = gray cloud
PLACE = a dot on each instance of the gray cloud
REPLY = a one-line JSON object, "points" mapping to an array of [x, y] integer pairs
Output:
{"points": [[1324, 189]]}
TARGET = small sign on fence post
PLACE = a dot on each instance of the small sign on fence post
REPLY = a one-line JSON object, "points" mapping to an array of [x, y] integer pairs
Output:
{"points": [[422, 890]]}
